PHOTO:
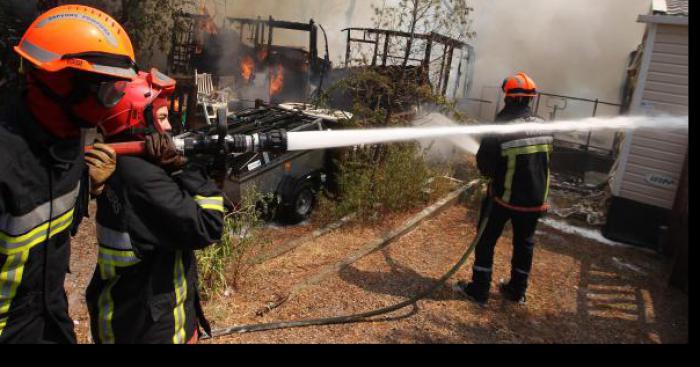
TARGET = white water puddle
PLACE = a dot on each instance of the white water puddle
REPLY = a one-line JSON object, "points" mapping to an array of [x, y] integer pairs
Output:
{"points": [[586, 233]]}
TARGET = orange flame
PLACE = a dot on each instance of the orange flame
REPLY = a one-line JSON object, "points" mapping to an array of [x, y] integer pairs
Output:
{"points": [[208, 24], [247, 68], [276, 80], [262, 54]]}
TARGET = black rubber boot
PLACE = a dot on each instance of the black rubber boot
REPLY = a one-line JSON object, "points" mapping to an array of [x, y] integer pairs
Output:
{"points": [[512, 293], [473, 292]]}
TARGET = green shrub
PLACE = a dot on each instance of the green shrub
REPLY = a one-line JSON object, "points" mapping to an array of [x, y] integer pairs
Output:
{"points": [[225, 264]]}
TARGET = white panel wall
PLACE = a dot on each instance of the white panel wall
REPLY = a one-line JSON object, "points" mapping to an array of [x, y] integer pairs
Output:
{"points": [[662, 88]]}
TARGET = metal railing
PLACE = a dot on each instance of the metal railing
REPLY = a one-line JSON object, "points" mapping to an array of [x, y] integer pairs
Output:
{"points": [[596, 104]]}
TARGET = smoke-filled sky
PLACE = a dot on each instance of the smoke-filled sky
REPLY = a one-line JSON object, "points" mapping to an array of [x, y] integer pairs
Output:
{"points": [[573, 47]]}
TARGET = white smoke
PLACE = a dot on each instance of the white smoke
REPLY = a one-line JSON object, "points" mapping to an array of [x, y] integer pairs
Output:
{"points": [[465, 143], [573, 47]]}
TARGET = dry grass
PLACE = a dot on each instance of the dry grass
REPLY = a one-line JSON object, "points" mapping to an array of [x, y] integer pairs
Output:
{"points": [[579, 294]]}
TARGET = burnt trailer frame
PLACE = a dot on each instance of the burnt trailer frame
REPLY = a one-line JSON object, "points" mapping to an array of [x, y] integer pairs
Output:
{"points": [[373, 36], [183, 43], [261, 33]]}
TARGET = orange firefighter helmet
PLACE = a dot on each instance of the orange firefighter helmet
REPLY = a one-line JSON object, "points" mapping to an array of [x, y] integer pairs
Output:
{"points": [[519, 85], [78, 37], [134, 113]]}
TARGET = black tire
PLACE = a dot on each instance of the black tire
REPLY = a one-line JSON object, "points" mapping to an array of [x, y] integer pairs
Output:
{"points": [[301, 204]]}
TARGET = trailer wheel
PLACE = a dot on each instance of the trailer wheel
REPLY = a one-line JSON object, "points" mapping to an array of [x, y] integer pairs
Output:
{"points": [[301, 205]]}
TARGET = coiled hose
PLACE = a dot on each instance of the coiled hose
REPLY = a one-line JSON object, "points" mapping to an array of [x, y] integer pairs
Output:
{"points": [[364, 317]]}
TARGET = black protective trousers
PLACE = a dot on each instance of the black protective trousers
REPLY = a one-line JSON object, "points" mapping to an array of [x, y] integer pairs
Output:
{"points": [[524, 228]]}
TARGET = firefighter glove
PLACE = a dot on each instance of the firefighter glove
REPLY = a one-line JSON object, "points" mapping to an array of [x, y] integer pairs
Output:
{"points": [[101, 162], [161, 151]]}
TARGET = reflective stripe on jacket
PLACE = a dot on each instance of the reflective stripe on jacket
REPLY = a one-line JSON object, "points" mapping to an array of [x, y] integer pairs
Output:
{"points": [[149, 224], [38, 194], [519, 168]]}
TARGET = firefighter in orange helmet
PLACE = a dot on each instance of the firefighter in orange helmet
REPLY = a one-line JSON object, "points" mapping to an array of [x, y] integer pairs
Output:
{"points": [[73, 58], [518, 168]]}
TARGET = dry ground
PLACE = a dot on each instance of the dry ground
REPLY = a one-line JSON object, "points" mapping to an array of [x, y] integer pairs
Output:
{"points": [[581, 291]]}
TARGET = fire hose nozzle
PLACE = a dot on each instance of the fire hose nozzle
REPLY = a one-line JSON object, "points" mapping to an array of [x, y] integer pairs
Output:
{"points": [[273, 141]]}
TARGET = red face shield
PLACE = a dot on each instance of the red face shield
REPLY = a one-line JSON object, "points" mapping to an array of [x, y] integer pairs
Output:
{"points": [[135, 105]]}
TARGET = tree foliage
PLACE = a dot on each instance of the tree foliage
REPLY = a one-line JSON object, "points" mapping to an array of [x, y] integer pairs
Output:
{"points": [[149, 23]]}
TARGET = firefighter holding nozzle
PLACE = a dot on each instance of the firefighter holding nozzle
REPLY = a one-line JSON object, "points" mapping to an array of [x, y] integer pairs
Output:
{"points": [[156, 210], [518, 167]]}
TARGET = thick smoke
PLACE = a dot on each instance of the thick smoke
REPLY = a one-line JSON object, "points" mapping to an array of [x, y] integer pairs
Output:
{"points": [[573, 47]]}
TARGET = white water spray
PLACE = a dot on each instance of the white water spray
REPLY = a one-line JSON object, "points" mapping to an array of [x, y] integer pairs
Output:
{"points": [[348, 138]]}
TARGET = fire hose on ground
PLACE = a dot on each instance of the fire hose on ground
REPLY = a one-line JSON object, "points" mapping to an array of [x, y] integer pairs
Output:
{"points": [[366, 316], [277, 140]]}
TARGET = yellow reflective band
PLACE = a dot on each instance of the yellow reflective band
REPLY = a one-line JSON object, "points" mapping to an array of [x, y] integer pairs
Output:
{"points": [[549, 179], [107, 271], [106, 313], [3, 324], [117, 258], [528, 150], [213, 207], [513, 155], [215, 203], [180, 284], [510, 174], [10, 279], [10, 245]]}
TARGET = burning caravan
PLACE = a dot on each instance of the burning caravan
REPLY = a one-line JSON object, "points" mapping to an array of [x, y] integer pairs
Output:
{"points": [[443, 63], [652, 165], [283, 73], [243, 58]]}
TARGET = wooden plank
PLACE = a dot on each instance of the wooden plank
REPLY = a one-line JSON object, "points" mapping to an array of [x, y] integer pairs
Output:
{"points": [[296, 243], [373, 246]]}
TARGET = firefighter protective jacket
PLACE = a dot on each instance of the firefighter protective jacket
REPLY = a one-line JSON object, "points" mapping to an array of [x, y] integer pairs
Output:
{"points": [[149, 223], [518, 165], [39, 183]]}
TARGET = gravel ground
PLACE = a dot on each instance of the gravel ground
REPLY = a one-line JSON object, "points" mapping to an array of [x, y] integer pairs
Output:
{"points": [[582, 291]]}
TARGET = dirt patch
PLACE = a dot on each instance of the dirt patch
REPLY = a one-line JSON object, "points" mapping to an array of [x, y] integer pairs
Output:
{"points": [[82, 265], [582, 291]]}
